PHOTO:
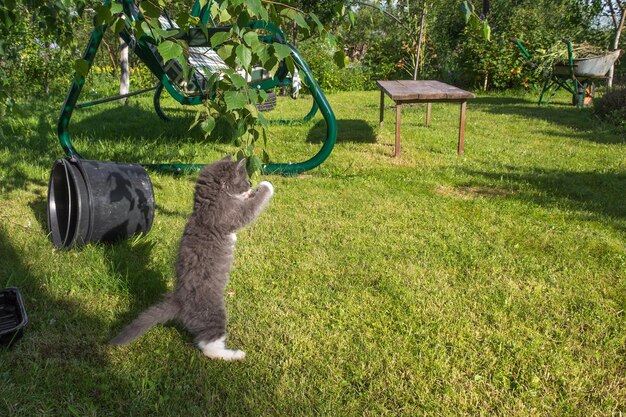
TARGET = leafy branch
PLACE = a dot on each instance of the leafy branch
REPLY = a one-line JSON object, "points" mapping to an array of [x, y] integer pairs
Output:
{"points": [[477, 23], [230, 103]]}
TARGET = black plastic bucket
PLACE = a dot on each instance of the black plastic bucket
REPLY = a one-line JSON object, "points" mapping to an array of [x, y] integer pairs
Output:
{"points": [[13, 317], [95, 201]]}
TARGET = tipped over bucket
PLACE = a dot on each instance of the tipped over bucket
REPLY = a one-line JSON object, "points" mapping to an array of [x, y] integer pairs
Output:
{"points": [[95, 201]]}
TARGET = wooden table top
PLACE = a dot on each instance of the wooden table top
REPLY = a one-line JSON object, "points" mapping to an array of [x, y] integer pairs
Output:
{"points": [[405, 90]]}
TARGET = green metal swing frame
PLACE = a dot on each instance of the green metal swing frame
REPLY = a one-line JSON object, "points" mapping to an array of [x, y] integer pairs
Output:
{"points": [[147, 56]]}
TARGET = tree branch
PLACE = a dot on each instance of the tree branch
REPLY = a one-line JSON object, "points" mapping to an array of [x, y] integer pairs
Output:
{"points": [[362, 3], [283, 5], [612, 9]]}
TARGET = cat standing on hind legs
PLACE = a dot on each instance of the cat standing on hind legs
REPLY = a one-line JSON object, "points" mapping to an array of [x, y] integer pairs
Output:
{"points": [[224, 202]]}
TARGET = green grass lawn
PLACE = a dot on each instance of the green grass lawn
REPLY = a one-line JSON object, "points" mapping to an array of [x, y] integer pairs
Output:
{"points": [[492, 284]]}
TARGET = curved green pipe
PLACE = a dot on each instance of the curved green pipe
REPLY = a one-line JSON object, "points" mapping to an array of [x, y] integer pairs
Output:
{"points": [[72, 97], [329, 117]]}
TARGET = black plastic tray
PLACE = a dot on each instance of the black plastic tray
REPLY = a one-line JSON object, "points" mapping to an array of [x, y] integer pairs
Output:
{"points": [[13, 316]]}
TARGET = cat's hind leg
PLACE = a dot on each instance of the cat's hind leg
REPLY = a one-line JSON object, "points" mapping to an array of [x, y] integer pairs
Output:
{"points": [[217, 350]]}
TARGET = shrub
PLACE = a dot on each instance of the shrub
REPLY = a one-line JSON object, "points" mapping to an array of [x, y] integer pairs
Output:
{"points": [[330, 77], [612, 107]]}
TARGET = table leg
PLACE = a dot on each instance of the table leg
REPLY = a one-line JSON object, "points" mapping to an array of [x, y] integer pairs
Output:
{"points": [[382, 108], [428, 109], [462, 127], [398, 116]]}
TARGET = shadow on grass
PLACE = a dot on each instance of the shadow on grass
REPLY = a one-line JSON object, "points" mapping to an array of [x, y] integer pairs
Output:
{"points": [[63, 363], [144, 284], [348, 131], [60, 342], [598, 193], [582, 123], [124, 122], [500, 101]]}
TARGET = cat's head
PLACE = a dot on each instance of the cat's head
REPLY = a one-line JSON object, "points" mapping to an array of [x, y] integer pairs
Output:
{"points": [[224, 175]]}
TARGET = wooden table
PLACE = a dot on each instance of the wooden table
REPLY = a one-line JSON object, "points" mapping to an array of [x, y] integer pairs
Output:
{"points": [[422, 91]]}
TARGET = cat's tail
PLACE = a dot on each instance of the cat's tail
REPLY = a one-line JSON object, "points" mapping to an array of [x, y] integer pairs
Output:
{"points": [[159, 313]]}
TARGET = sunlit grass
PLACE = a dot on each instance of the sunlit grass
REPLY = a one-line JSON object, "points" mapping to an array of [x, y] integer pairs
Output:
{"points": [[492, 284]]}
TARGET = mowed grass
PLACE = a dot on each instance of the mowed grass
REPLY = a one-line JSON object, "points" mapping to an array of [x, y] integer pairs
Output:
{"points": [[492, 284]]}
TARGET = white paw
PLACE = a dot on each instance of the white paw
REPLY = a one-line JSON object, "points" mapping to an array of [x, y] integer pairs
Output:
{"points": [[225, 354], [269, 186], [238, 355], [217, 350]]}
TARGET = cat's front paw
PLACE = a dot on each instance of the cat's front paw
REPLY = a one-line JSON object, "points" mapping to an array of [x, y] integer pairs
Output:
{"points": [[267, 185]]}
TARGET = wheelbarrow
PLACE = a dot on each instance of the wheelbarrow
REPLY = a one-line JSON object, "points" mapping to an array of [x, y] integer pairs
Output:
{"points": [[577, 76]]}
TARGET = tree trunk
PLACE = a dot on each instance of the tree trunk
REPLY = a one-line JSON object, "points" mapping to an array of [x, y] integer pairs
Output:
{"points": [[619, 22], [124, 77], [420, 40]]}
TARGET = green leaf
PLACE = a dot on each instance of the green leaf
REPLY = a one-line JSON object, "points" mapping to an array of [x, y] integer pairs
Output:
{"points": [[351, 18], [197, 118], [253, 165], [225, 52], [224, 16], [81, 67], [182, 61], [150, 9], [208, 125], [164, 33], [288, 13], [116, 8], [252, 109], [257, 9], [299, 19], [474, 22], [241, 128], [262, 121], [331, 39], [339, 58], [119, 25], [318, 23], [291, 66], [219, 38], [169, 50], [271, 65], [235, 100], [251, 38], [263, 52], [237, 80], [467, 9], [242, 21], [486, 30], [146, 29], [103, 15], [282, 51], [244, 56]]}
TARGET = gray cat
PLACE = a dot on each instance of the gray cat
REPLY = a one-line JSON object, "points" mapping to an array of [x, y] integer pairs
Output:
{"points": [[223, 203]]}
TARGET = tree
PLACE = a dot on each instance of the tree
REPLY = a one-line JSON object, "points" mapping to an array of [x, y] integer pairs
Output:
{"points": [[617, 10]]}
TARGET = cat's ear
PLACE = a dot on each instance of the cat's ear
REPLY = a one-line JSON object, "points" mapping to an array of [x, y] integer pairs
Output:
{"points": [[227, 158], [241, 164]]}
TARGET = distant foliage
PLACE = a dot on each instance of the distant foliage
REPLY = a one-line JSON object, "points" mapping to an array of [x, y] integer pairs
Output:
{"points": [[319, 56], [461, 53]]}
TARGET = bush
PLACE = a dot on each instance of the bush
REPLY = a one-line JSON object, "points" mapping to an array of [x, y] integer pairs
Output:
{"points": [[612, 107], [319, 57]]}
